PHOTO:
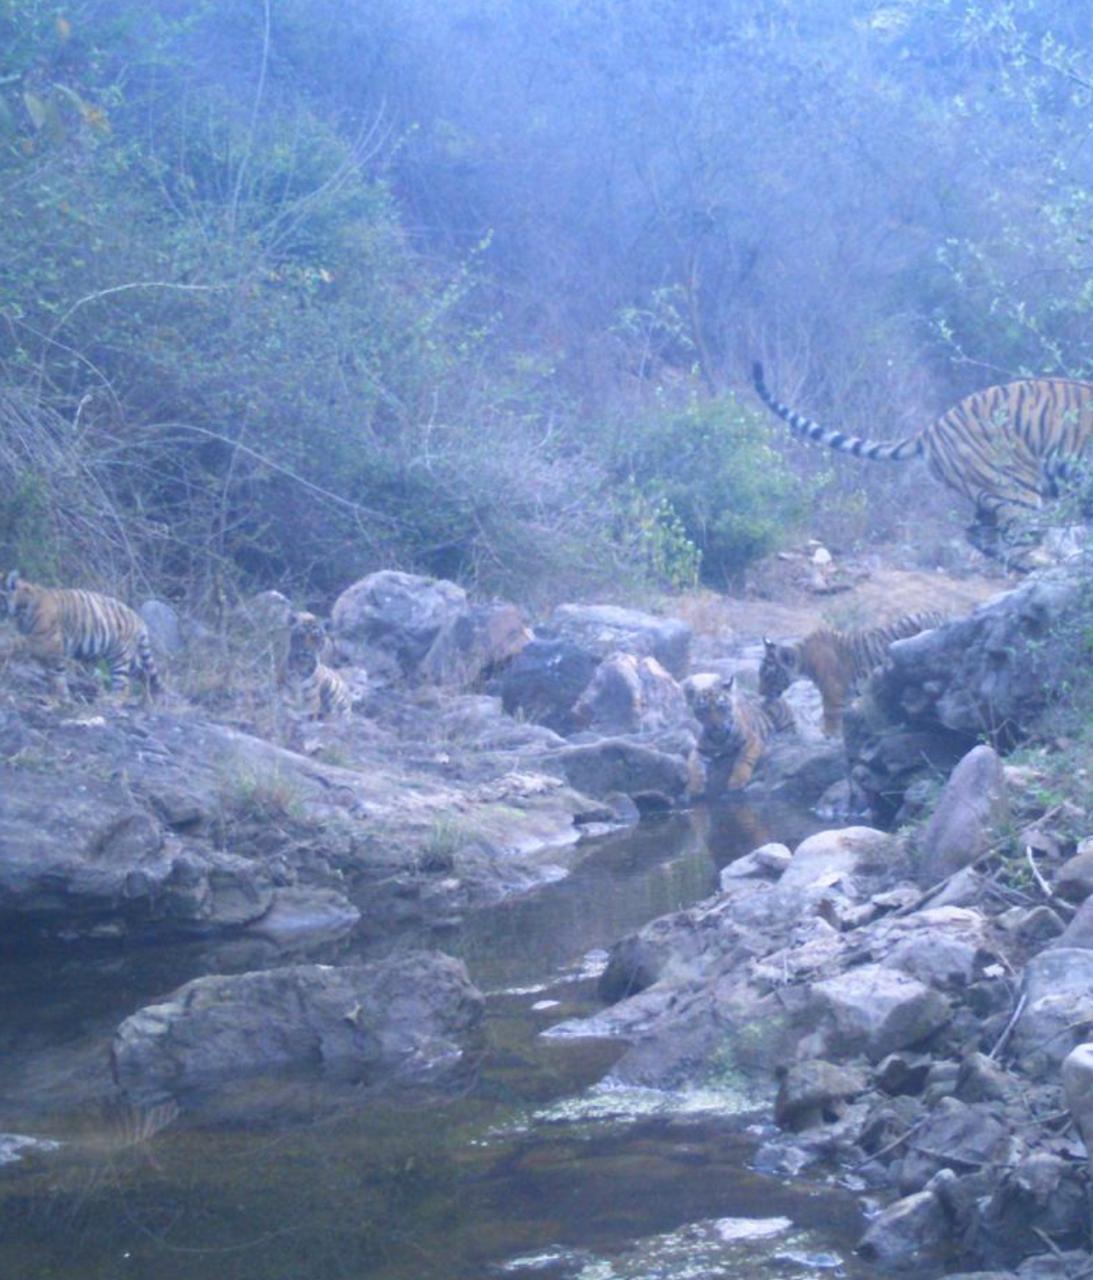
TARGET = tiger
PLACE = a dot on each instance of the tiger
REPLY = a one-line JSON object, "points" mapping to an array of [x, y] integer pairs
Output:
{"points": [[735, 724], [67, 622], [323, 691], [1007, 449], [835, 661]]}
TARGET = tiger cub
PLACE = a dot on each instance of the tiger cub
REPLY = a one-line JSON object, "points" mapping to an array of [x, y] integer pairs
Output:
{"points": [[323, 691], [736, 725], [66, 622], [835, 661], [1007, 449]]}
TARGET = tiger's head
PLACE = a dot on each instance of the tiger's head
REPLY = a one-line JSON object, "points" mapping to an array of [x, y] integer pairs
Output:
{"points": [[781, 665], [710, 698], [19, 595], [306, 640]]}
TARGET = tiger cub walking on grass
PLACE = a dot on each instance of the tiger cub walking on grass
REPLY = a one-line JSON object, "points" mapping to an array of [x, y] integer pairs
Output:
{"points": [[323, 691], [835, 661], [736, 725], [66, 622]]}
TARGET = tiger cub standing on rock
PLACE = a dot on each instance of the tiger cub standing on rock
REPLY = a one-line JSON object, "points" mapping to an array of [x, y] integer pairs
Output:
{"points": [[323, 691], [66, 622], [736, 725], [835, 661]]}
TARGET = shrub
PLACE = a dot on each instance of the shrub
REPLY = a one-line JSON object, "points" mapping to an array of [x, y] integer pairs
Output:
{"points": [[712, 467]]}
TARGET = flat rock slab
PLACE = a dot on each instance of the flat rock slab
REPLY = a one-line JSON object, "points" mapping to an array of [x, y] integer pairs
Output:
{"points": [[401, 1020]]}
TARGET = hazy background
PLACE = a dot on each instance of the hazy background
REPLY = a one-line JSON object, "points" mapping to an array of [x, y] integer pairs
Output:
{"points": [[292, 291]]}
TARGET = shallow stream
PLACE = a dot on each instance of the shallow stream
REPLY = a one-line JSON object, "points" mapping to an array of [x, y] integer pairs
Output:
{"points": [[531, 1170]]}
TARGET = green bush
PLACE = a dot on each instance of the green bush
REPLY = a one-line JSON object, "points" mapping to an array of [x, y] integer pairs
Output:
{"points": [[713, 467]]}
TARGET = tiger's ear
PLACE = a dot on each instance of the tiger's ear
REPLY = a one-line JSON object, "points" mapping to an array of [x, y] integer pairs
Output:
{"points": [[769, 644], [727, 682], [12, 580]]}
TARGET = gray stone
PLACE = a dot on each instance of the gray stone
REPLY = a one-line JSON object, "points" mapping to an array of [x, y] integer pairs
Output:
{"points": [[163, 626], [1074, 879], [971, 806], [1079, 932], [653, 779], [876, 1010], [474, 646], [399, 615], [602, 629], [901, 1233], [1077, 1077], [945, 947], [1058, 1011], [545, 680], [404, 1019], [956, 1135], [811, 1092], [631, 694]]}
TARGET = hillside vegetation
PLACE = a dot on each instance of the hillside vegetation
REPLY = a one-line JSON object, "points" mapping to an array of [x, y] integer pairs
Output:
{"points": [[295, 289]]}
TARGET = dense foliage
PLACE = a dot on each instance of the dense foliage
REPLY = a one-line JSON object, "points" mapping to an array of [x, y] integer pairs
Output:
{"points": [[292, 289]]}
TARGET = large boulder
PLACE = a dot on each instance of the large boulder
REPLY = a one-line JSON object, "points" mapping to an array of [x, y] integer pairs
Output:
{"points": [[474, 646], [994, 671], [404, 1019], [631, 694], [875, 1010], [544, 682], [653, 779], [1057, 1010], [971, 807], [394, 615], [603, 629]]}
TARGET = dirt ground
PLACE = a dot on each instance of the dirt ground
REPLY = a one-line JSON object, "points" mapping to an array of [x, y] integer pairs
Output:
{"points": [[793, 593]]}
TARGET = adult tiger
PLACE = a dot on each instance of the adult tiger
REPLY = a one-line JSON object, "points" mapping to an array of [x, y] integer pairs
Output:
{"points": [[735, 724], [1007, 448], [67, 622], [835, 661], [322, 690]]}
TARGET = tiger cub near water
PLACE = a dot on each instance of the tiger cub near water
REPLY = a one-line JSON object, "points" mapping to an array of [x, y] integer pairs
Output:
{"points": [[66, 622], [1007, 448], [835, 661], [736, 725], [323, 691]]}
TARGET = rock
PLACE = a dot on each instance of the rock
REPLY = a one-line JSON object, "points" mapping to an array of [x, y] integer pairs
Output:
{"points": [[653, 779], [404, 1019], [1058, 990], [1074, 879], [399, 615], [902, 1073], [545, 680], [631, 694], [1079, 932], [799, 772], [972, 805], [903, 1232], [956, 1135], [299, 915], [768, 862], [1040, 1197], [811, 1092], [995, 670], [603, 629], [475, 646], [945, 947], [875, 1010], [843, 866], [163, 626], [981, 1079], [1077, 1076]]}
